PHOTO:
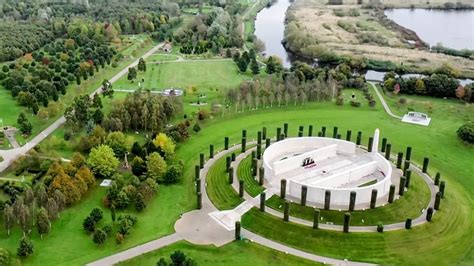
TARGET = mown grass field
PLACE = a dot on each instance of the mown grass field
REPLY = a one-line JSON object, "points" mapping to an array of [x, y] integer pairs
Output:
{"points": [[244, 172], [253, 254], [220, 192], [407, 206]]}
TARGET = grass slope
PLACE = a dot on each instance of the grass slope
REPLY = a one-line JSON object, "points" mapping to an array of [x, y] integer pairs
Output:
{"points": [[244, 172]]}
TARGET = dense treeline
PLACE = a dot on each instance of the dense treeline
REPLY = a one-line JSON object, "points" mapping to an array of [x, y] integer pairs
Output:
{"points": [[216, 30], [436, 85], [25, 27], [142, 111]]}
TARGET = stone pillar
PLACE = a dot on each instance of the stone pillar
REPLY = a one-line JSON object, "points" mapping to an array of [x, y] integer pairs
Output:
{"points": [[244, 133], [334, 132], [262, 202], [352, 200], [267, 143], [254, 166], [286, 211], [391, 194], [399, 160], [198, 185], [370, 146], [437, 202], [285, 129], [304, 192], [264, 133], [237, 230], [408, 154], [283, 188], [278, 133], [211, 151], [408, 224], [232, 157], [317, 214], [359, 138], [300, 131], [437, 179], [426, 161], [197, 171], [327, 199], [201, 160], [373, 199], [348, 135], [259, 137], [226, 143], [310, 131], [347, 221], [408, 178], [442, 186], [241, 188], [199, 200], [406, 166], [388, 149], [227, 163], [384, 144], [261, 175], [231, 175], [401, 186], [243, 144], [429, 214], [323, 131]]}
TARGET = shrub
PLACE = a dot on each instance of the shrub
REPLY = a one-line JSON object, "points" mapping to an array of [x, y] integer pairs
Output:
{"points": [[380, 227], [196, 127], [339, 100], [466, 132], [402, 101], [26, 247], [372, 103], [355, 103]]}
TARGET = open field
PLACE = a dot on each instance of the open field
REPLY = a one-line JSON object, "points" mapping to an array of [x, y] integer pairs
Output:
{"points": [[253, 254], [351, 30]]}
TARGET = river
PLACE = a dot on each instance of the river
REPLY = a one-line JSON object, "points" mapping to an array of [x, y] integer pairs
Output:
{"points": [[452, 28], [270, 28]]}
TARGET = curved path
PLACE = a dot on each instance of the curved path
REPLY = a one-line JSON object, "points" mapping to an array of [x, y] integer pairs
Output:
{"points": [[11, 155], [421, 219], [382, 100]]}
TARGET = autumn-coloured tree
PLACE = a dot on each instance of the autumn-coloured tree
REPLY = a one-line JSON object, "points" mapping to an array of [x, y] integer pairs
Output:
{"points": [[166, 145], [461, 92], [156, 166], [102, 161]]}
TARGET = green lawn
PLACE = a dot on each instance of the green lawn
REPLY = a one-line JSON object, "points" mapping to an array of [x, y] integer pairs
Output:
{"points": [[220, 192], [162, 57], [408, 206], [248, 254], [244, 172]]}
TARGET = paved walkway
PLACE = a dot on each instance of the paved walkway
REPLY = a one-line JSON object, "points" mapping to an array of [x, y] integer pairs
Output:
{"points": [[382, 100], [11, 155], [138, 250]]}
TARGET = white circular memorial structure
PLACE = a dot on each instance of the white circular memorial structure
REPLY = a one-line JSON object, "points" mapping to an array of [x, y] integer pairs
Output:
{"points": [[326, 164]]}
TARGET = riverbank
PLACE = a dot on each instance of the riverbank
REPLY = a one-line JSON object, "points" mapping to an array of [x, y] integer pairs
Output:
{"points": [[364, 36], [431, 4]]}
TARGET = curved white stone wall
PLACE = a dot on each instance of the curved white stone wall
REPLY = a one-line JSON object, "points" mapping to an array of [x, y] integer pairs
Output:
{"points": [[319, 147]]}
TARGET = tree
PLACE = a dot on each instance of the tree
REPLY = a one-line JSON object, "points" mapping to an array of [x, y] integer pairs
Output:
{"points": [[138, 166], [24, 124], [173, 174], [88, 224], [99, 236], [118, 142], [132, 73], [102, 161], [156, 166], [141, 65], [255, 67], [178, 258], [8, 218], [96, 214], [242, 64], [196, 127], [139, 202], [42, 222], [271, 66], [466, 132], [26, 247], [166, 145], [136, 149]]}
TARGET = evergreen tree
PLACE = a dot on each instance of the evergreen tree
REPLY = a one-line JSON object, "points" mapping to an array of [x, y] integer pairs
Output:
{"points": [[255, 67], [99, 236], [141, 65], [26, 247]]}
